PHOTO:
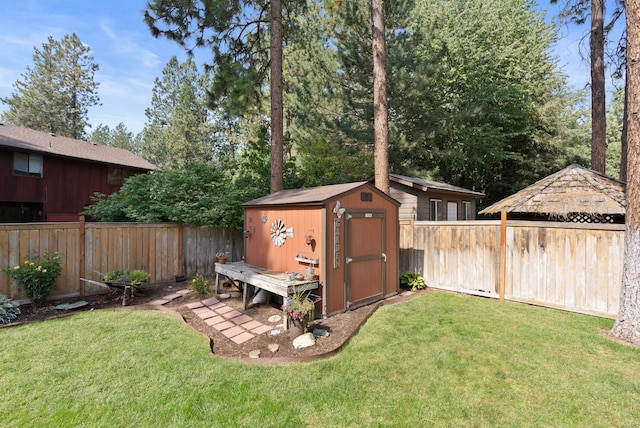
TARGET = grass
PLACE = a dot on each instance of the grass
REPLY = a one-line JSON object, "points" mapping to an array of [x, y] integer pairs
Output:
{"points": [[439, 360]]}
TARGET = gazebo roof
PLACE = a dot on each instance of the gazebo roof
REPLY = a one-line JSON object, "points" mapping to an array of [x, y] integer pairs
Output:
{"points": [[573, 190]]}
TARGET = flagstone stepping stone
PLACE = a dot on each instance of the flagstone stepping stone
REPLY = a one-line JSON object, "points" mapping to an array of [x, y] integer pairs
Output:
{"points": [[254, 354], [70, 306], [274, 318]]}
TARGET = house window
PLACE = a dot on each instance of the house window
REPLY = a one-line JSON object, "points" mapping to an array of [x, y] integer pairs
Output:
{"points": [[436, 209], [27, 164], [466, 210], [118, 176]]}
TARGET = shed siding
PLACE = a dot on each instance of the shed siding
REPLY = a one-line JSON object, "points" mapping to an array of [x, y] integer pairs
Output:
{"points": [[260, 249]]}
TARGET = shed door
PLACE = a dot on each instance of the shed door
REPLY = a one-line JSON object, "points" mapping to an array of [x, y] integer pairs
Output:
{"points": [[365, 257]]}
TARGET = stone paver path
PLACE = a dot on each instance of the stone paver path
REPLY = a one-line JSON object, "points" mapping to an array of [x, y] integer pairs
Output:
{"points": [[232, 323]]}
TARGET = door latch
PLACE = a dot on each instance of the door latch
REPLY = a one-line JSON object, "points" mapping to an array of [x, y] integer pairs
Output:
{"points": [[349, 260]]}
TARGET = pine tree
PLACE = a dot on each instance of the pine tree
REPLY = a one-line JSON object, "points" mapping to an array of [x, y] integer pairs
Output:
{"points": [[178, 129], [55, 95]]}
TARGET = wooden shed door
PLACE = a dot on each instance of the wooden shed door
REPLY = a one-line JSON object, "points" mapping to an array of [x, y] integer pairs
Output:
{"points": [[365, 257]]}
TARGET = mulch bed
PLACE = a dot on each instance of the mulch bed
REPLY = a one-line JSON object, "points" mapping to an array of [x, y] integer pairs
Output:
{"points": [[341, 327]]}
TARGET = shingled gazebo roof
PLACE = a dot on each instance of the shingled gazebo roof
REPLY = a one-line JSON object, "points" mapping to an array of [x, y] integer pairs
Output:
{"points": [[573, 190]]}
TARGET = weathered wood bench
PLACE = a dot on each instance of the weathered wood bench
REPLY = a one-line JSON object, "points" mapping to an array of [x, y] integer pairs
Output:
{"points": [[273, 281]]}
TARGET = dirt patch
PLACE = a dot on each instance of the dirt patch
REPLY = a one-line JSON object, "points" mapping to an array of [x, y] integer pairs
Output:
{"points": [[341, 327]]}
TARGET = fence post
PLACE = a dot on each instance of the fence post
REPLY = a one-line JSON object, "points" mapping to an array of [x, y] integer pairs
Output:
{"points": [[81, 249], [503, 252]]}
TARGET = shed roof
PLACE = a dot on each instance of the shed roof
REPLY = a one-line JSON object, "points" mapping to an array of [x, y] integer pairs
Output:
{"points": [[425, 185], [312, 195], [33, 141], [574, 189]]}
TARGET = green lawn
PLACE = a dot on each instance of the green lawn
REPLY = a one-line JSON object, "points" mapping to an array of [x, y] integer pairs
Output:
{"points": [[438, 360]]}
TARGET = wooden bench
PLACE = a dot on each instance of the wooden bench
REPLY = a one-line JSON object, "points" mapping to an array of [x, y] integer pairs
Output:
{"points": [[273, 281]]}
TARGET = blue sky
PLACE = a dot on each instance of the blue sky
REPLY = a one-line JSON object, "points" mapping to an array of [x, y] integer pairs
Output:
{"points": [[130, 58]]}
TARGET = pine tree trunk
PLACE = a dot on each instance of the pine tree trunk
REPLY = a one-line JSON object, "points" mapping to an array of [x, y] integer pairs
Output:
{"points": [[277, 117], [598, 107], [380, 117], [627, 325], [623, 137]]}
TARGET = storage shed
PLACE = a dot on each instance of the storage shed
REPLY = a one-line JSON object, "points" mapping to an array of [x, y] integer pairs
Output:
{"points": [[345, 234]]}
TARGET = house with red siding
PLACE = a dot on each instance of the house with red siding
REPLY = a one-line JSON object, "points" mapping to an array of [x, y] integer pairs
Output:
{"points": [[50, 178]]}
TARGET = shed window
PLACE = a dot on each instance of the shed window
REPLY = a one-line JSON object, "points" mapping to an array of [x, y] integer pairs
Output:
{"points": [[27, 164], [436, 210], [466, 210]]}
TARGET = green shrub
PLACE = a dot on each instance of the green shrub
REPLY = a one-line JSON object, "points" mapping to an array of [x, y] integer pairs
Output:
{"points": [[413, 280], [8, 310], [133, 278], [201, 286], [37, 276]]}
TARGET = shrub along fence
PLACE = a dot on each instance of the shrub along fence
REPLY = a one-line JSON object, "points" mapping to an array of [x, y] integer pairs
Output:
{"points": [[165, 250], [575, 267]]}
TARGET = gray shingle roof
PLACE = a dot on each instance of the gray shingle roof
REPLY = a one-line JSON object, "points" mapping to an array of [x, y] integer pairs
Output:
{"points": [[28, 140], [430, 184]]}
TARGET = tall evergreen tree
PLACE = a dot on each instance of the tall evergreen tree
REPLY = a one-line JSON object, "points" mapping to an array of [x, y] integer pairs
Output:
{"points": [[627, 324], [178, 127], [55, 95], [239, 33], [380, 107], [119, 137]]}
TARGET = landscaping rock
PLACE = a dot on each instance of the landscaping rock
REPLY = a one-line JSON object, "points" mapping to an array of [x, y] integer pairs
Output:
{"points": [[254, 354], [304, 341], [320, 332], [274, 347]]}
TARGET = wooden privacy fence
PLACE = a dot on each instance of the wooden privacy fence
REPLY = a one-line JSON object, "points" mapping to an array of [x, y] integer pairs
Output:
{"points": [[575, 267], [165, 250]]}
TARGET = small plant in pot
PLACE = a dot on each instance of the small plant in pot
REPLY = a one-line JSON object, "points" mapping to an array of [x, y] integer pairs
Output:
{"points": [[298, 309], [123, 277], [222, 257], [37, 275]]}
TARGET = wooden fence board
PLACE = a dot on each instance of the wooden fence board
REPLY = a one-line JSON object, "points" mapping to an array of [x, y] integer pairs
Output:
{"points": [[561, 265]]}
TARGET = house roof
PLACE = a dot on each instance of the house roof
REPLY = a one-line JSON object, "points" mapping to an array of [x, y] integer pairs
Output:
{"points": [[29, 140], [311, 195], [425, 185], [574, 189]]}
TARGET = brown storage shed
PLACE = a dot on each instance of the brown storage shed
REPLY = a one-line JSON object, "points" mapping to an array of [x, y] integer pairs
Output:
{"points": [[347, 233]]}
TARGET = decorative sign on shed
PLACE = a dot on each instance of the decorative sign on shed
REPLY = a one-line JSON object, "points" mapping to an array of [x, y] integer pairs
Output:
{"points": [[343, 235]]}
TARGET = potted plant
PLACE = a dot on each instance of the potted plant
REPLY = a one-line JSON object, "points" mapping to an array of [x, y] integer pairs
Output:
{"points": [[222, 258], [298, 309], [37, 276]]}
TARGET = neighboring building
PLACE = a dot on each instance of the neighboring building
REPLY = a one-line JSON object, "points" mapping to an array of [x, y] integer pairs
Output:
{"points": [[573, 194], [51, 178], [429, 200]]}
